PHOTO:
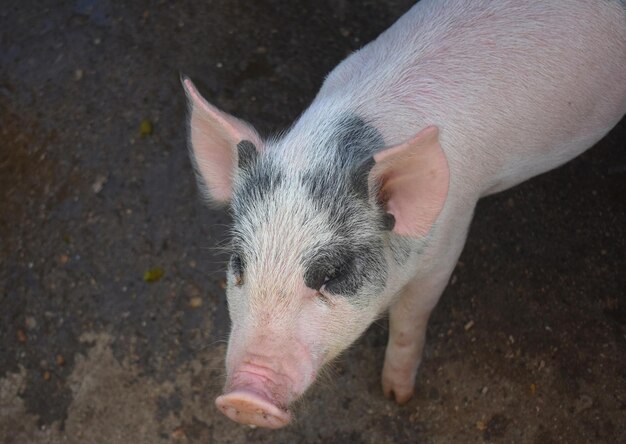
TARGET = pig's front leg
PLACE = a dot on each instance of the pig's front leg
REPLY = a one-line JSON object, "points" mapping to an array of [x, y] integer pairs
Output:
{"points": [[408, 319], [408, 315]]}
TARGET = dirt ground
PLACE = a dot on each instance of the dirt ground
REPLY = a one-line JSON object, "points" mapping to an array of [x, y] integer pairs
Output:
{"points": [[526, 346]]}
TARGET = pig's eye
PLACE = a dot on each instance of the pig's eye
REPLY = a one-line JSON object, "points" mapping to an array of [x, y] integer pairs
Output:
{"points": [[326, 276], [329, 279], [331, 276], [236, 265], [318, 279]]}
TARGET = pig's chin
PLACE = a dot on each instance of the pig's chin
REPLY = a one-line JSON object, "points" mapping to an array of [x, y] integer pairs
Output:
{"points": [[260, 397]]}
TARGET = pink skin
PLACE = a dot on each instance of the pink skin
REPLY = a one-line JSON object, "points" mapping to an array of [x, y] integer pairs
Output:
{"points": [[275, 354], [252, 398], [260, 388], [270, 364]]}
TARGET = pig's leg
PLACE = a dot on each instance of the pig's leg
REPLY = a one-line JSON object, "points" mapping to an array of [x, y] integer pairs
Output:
{"points": [[408, 316], [408, 319]]}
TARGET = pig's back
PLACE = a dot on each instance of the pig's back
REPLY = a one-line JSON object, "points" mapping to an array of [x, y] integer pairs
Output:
{"points": [[517, 88]]}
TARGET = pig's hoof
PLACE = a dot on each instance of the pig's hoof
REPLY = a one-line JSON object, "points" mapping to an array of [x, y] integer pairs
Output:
{"points": [[401, 396], [249, 408], [397, 390]]}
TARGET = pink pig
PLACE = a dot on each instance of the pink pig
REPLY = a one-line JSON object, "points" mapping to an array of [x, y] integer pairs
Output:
{"points": [[364, 205]]}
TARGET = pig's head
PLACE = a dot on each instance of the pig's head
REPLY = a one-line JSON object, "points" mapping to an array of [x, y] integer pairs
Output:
{"points": [[313, 260]]}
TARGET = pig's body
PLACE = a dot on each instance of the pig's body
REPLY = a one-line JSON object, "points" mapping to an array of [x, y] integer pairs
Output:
{"points": [[514, 88]]}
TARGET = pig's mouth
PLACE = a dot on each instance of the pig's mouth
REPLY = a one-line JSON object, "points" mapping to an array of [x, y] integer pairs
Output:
{"points": [[256, 396], [252, 408]]}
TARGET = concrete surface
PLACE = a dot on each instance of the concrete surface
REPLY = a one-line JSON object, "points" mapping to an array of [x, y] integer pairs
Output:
{"points": [[527, 345]]}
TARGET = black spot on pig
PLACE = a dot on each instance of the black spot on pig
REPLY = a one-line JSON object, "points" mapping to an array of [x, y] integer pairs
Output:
{"points": [[345, 268], [258, 180], [389, 221], [246, 153], [355, 141], [336, 269], [351, 145], [360, 178], [236, 266]]}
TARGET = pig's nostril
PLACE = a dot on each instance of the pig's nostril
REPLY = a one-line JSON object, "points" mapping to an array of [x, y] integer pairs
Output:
{"points": [[250, 408]]}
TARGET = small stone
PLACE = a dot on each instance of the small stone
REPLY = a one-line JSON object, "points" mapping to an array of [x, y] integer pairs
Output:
{"points": [[98, 184], [469, 325], [46, 375], [60, 360], [21, 335], [178, 434], [511, 339], [30, 322], [195, 302], [63, 259], [533, 389], [484, 390], [154, 274], [145, 128], [480, 425], [78, 74], [261, 50]]}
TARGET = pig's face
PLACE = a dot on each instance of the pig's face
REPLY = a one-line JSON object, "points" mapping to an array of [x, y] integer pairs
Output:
{"points": [[308, 267], [309, 243], [313, 260]]}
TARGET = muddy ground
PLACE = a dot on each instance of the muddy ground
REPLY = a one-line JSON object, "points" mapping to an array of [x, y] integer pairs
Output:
{"points": [[527, 344]]}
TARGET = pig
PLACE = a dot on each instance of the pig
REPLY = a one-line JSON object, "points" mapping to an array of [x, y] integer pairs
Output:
{"points": [[363, 205]]}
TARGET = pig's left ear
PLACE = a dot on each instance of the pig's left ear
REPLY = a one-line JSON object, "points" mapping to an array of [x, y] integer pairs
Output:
{"points": [[413, 179], [218, 142]]}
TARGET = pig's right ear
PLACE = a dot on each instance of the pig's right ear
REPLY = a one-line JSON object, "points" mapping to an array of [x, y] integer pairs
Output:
{"points": [[218, 143], [412, 182]]}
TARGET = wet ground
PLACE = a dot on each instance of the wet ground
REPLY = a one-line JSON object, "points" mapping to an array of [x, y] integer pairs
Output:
{"points": [[527, 345]]}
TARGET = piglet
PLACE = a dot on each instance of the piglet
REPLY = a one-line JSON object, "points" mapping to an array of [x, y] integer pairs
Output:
{"points": [[363, 206]]}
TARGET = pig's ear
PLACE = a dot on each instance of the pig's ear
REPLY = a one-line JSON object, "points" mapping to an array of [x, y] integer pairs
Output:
{"points": [[413, 178], [218, 142]]}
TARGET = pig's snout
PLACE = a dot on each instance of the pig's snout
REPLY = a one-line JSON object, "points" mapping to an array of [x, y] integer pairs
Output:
{"points": [[248, 407], [257, 396]]}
